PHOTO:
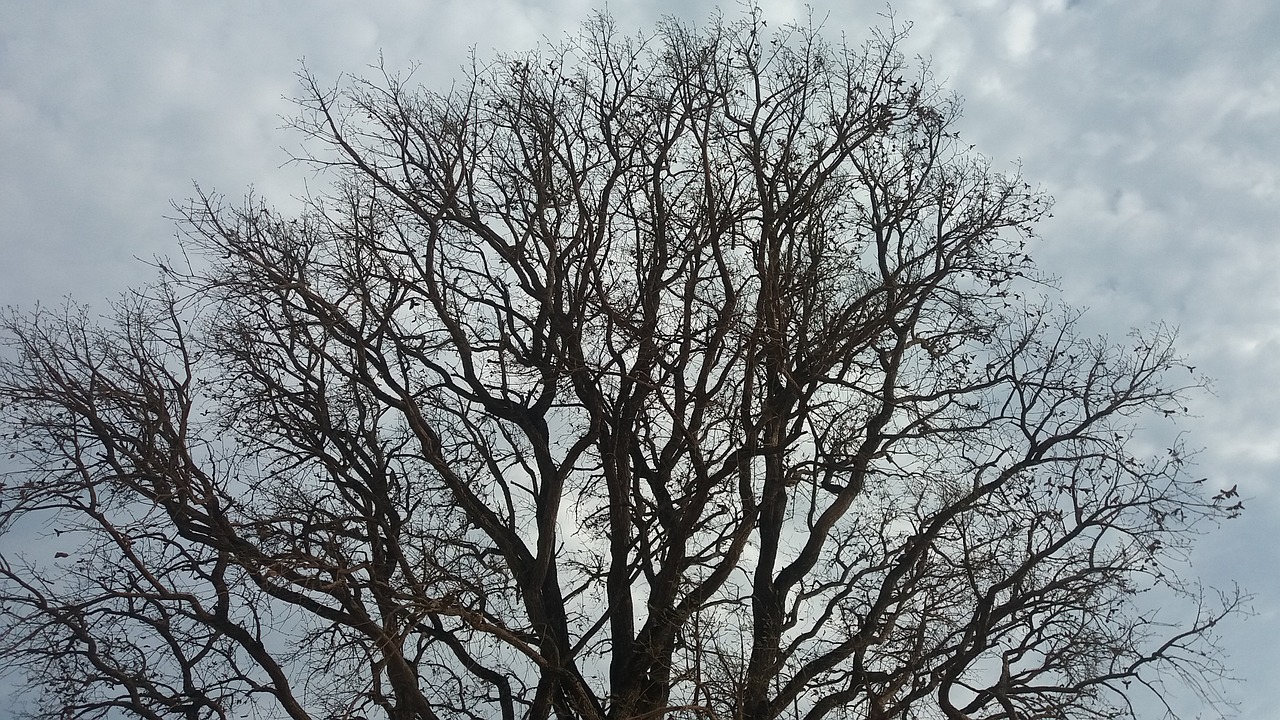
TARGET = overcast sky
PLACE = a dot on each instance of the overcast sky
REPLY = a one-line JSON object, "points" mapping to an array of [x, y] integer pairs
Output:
{"points": [[1154, 123]]}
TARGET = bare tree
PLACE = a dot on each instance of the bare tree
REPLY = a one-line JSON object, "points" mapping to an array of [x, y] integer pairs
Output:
{"points": [[687, 375]]}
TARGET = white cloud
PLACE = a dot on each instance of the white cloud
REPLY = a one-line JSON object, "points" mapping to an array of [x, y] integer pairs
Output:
{"points": [[1020, 30]]}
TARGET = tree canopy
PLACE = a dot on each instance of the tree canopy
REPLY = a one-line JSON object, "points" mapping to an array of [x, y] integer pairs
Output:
{"points": [[704, 373]]}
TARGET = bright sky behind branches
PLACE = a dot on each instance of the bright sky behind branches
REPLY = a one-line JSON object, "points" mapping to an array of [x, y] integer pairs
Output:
{"points": [[1154, 123]]}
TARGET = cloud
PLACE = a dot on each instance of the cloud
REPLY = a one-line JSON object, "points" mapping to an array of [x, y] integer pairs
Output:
{"points": [[1020, 31]]}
